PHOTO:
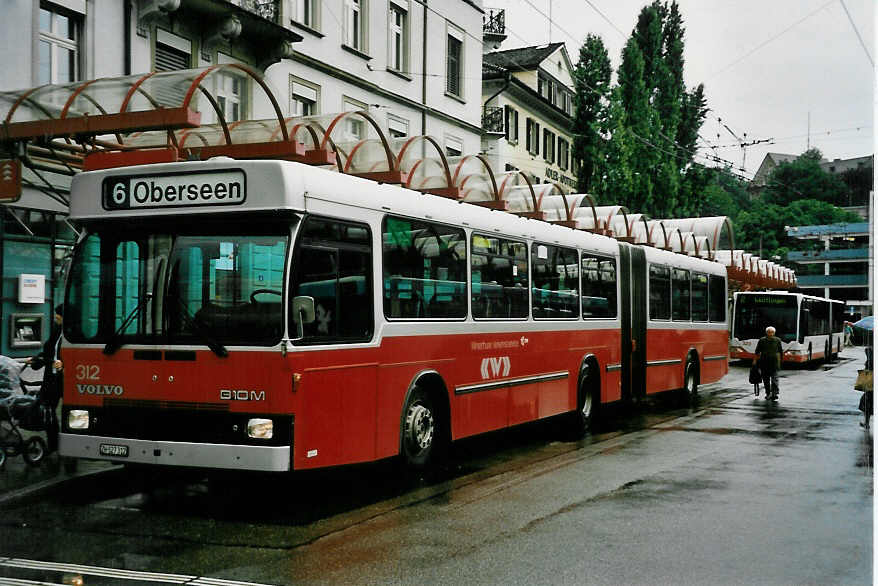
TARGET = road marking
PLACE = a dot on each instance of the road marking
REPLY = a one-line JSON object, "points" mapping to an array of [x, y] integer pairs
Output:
{"points": [[112, 573]]}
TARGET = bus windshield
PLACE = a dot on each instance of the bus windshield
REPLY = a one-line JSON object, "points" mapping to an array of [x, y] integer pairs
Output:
{"points": [[190, 287], [753, 313]]}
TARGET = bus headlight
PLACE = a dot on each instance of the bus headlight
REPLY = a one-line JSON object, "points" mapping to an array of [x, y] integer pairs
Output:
{"points": [[77, 419], [260, 428]]}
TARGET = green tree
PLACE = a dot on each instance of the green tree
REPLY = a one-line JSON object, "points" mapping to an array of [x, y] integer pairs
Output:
{"points": [[591, 78], [804, 179]]}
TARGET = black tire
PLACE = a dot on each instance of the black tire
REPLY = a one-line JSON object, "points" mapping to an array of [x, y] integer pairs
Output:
{"points": [[690, 380], [34, 450], [423, 435], [10, 438], [587, 402]]}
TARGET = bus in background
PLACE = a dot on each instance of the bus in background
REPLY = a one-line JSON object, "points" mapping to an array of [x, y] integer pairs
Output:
{"points": [[810, 328], [272, 316]]}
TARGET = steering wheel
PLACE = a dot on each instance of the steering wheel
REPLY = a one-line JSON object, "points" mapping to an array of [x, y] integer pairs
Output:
{"points": [[261, 291]]}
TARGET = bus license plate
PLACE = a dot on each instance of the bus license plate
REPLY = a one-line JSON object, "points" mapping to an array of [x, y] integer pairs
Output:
{"points": [[114, 450]]}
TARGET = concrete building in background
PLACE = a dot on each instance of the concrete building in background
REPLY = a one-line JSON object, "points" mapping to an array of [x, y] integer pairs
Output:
{"points": [[414, 65]]}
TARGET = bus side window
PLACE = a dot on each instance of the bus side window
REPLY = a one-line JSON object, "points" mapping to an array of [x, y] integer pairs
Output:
{"points": [[717, 298], [681, 294], [599, 297], [699, 297], [424, 269], [659, 292], [555, 282], [498, 272]]}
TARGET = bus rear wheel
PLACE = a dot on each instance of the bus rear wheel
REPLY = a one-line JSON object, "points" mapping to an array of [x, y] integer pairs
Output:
{"points": [[587, 402], [690, 380], [422, 431]]}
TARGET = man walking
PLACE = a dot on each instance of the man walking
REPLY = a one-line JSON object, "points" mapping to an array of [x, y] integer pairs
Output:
{"points": [[769, 352]]}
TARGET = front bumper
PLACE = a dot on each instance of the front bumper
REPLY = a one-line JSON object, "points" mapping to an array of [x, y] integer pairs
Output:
{"points": [[184, 454]]}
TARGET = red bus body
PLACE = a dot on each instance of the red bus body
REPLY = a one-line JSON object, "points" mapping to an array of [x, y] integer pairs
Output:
{"points": [[343, 402]]}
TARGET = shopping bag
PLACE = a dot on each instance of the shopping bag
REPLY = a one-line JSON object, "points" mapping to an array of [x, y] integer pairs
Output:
{"points": [[864, 380], [755, 375]]}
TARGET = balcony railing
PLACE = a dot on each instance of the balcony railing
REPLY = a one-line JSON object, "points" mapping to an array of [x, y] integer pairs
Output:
{"points": [[494, 22], [267, 9], [492, 120]]}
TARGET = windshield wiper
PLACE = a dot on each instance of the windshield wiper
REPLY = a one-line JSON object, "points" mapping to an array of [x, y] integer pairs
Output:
{"points": [[115, 342], [202, 330]]}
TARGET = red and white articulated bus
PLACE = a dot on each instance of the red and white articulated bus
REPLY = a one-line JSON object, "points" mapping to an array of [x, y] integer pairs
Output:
{"points": [[271, 316], [810, 328]]}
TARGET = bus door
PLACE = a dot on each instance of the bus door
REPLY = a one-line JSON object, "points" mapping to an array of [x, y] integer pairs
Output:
{"points": [[633, 273], [336, 397]]}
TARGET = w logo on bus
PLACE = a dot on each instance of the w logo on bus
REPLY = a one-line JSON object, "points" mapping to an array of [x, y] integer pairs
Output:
{"points": [[495, 366]]}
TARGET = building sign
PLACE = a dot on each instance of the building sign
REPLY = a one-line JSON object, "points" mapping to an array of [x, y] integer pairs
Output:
{"points": [[31, 288], [560, 177], [10, 180], [210, 188]]}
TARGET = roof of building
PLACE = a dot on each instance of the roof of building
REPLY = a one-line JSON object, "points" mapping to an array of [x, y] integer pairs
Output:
{"points": [[521, 59], [842, 165]]}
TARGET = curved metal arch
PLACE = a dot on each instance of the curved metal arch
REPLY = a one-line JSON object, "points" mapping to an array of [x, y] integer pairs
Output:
{"points": [[80, 90], [393, 163], [488, 171], [429, 140], [501, 190], [26, 97], [664, 232], [257, 78]]}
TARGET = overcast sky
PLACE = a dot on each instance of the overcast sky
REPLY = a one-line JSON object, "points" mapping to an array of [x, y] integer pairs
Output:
{"points": [[765, 64]]}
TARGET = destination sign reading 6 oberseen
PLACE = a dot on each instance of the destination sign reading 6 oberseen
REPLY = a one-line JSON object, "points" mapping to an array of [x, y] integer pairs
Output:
{"points": [[170, 191]]}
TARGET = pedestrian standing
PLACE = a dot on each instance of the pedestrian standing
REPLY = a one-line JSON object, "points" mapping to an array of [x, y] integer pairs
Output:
{"points": [[49, 359], [768, 353]]}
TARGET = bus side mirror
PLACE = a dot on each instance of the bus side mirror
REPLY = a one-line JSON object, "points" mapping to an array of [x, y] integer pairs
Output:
{"points": [[303, 313]]}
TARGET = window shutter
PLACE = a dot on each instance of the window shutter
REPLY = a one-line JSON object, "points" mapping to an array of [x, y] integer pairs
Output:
{"points": [[170, 59]]}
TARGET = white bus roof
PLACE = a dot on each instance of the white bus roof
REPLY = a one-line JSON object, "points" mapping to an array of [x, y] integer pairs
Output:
{"points": [[226, 186]]}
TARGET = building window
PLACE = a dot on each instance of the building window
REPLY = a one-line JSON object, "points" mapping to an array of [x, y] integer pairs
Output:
{"points": [[355, 24], [453, 146], [399, 59], [304, 98], [58, 60], [549, 146], [532, 131], [563, 153], [454, 63], [306, 12], [398, 127], [229, 96], [511, 124], [355, 126]]}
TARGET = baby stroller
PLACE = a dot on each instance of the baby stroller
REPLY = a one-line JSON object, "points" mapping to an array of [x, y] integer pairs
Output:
{"points": [[20, 408]]}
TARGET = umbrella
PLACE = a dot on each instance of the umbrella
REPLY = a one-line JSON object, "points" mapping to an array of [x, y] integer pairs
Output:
{"points": [[867, 323]]}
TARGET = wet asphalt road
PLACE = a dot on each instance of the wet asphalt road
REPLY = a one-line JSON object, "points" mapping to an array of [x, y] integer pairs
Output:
{"points": [[734, 490]]}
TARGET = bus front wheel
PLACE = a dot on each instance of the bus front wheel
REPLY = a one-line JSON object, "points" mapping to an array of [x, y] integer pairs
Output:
{"points": [[421, 431]]}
